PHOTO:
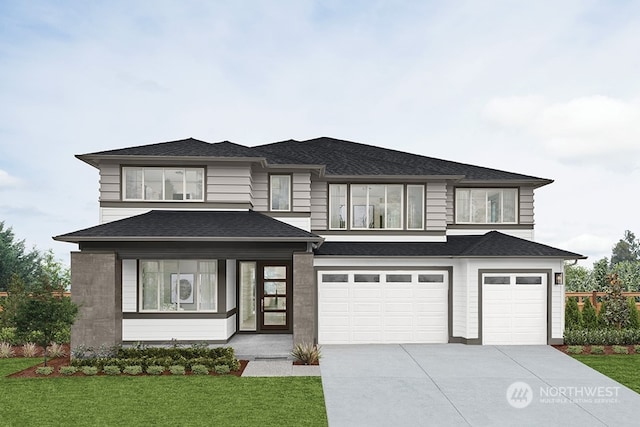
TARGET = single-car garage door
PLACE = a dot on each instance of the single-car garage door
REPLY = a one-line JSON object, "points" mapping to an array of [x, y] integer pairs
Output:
{"points": [[514, 308], [382, 307]]}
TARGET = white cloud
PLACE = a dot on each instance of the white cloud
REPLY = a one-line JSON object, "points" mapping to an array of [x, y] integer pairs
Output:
{"points": [[598, 129], [7, 180]]}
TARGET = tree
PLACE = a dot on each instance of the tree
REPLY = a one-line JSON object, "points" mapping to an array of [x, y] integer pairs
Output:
{"points": [[15, 259], [576, 278], [55, 272], [589, 315], [598, 279], [615, 311], [45, 313], [627, 249], [629, 274], [634, 319], [572, 315]]}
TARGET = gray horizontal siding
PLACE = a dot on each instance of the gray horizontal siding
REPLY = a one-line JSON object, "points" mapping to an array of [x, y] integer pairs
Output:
{"points": [[229, 184], [260, 191], [319, 206], [109, 182], [526, 205], [450, 198], [436, 206], [301, 192]]}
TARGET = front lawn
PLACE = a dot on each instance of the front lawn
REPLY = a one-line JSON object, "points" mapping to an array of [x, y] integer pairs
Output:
{"points": [[166, 400], [622, 368]]}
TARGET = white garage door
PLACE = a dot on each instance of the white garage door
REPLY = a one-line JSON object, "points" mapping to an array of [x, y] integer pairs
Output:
{"points": [[382, 307], [514, 308]]}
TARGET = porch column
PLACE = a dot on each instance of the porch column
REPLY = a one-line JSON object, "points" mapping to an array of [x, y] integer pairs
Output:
{"points": [[304, 299], [96, 287]]}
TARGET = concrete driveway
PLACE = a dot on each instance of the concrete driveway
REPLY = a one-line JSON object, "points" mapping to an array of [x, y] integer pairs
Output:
{"points": [[456, 384]]}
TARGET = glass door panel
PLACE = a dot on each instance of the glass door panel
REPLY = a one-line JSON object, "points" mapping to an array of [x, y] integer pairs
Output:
{"points": [[248, 296], [275, 293]]}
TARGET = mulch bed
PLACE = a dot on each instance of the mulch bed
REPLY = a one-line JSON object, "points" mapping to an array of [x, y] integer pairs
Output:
{"points": [[608, 349], [56, 363]]}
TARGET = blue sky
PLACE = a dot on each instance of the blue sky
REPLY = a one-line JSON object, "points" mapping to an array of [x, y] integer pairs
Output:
{"points": [[544, 88]]}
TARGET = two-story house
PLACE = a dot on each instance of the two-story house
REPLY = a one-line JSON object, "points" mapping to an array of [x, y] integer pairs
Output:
{"points": [[329, 240]]}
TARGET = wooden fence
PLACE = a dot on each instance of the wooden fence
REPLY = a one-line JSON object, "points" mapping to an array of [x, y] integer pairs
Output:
{"points": [[596, 298]]}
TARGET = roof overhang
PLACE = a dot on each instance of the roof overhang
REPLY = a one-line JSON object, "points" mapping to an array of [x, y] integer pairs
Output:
{"points": [[534, 182], [80, 239], [95, 160]]}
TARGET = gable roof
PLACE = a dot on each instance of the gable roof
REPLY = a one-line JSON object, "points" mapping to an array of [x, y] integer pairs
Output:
{"points": [[490, 245], [193, 225], [334, 157]]}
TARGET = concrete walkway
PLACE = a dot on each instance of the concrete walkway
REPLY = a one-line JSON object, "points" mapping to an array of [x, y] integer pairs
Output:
{"points": [[456, 384], [279, 368]]}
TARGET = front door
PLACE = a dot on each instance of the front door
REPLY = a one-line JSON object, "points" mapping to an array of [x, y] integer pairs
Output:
{"points": [[264, 297]]}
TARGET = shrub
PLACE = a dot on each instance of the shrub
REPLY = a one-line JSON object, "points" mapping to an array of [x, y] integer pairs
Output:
{"points": [[221, 369], [68, 370], [589, 315], [572, 315], [89, 370], [111, 370], [309, 353], [199, 370], [29, 349], [56, 350], [636, 348], [9, 335], [132, 370], [44, 370], [575, 349], [155, 370], [602, 336], [176, 369], [620, 349], [6, 350], [634, 318], [601, 319], [597, 349]]}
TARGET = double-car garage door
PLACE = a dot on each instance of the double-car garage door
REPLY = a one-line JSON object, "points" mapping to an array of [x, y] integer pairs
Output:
{"points": [[357, 307]]}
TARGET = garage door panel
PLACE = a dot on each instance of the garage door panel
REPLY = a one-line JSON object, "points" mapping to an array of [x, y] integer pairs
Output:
{"points": [[515, 313], [366, 292], [398, 312], [398, 307]]}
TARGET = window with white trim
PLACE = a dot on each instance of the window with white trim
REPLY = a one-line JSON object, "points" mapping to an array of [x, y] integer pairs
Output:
{"points": [[486, 205], [178, 285], [162, 184], [280, 192]]}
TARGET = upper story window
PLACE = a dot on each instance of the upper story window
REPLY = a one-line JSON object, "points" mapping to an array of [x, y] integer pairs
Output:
{"points": [[163, 184], [280, 193], [486, 205], [376, 206]]}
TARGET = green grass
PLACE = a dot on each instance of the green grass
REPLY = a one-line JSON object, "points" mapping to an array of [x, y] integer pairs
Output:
{"points": [[622, 368], [167, 400]]}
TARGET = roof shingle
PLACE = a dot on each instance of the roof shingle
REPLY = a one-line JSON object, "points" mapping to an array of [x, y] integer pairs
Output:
{"points": [[193, 225], [492, 244]]}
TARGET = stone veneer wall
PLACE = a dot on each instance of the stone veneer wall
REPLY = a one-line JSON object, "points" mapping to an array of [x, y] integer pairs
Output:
{"points": [[96, 288], [304, 299]]}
